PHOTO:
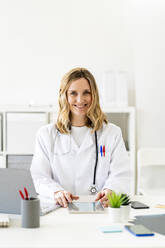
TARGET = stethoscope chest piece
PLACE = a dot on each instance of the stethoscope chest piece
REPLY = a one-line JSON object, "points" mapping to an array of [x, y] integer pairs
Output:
{"points": [[93, 189]]}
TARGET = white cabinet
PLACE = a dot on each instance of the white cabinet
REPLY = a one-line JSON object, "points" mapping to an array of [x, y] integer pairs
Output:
{"points": [[21, 129]]}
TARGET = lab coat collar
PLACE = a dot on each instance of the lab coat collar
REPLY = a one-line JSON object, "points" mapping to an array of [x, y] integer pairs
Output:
{"points": [[87, 142], [64, 143]]}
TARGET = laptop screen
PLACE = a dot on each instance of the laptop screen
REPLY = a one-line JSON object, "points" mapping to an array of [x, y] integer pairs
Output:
{"points": [[11, 181]]}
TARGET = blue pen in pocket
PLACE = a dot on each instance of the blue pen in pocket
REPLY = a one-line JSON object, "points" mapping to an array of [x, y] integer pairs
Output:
{"points": [[101, 151]]}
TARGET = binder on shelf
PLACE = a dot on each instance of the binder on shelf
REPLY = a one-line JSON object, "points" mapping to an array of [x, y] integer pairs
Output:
{"points": [[19, 161]]}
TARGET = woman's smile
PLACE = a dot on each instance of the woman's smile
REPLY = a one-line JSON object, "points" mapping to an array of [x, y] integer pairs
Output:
{"points": [[79, 99]]}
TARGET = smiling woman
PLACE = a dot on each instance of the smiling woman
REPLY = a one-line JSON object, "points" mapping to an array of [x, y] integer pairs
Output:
{"points": [[79, 99], [81, 153]]}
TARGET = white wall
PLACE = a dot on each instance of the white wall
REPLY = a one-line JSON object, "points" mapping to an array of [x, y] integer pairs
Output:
{"points": [[149, 71], [42, 39]]}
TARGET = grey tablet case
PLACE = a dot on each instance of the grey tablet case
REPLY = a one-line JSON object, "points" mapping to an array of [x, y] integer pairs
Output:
{"points": [[155, 223]]}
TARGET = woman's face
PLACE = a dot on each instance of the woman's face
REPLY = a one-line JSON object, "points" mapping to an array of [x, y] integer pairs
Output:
{"points": [[79, 97]]}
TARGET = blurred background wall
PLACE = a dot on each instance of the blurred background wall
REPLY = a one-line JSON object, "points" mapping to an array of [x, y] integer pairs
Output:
{"points": [[40, 40]]}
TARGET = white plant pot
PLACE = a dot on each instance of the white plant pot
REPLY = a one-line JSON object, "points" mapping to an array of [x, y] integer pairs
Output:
{"points": [[125, 213], [114, 214]]}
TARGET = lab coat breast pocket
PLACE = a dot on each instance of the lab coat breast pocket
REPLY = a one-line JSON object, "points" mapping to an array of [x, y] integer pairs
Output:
{"points": [[103, 166], [63, 171], [62, 157]]}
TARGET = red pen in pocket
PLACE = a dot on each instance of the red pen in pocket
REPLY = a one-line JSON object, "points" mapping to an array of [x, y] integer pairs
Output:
{"points": [[104, 150]]}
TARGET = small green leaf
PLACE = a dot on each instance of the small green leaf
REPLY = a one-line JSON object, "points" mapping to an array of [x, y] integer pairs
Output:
{"points": [[115, 200], [125, 199]]}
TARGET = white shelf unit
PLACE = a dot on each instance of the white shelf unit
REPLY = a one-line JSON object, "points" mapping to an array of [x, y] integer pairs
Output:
{"points": [[19, 124], [125, 119], [21, 128]]}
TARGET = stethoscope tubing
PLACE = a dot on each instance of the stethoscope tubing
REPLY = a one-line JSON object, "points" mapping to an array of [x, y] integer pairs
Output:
{"points": [[95, 168]]}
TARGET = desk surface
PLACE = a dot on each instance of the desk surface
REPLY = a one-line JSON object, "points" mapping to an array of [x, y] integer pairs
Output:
{"points": [[61, 229]]}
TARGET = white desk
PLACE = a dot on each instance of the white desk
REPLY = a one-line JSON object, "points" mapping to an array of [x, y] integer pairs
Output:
{"points": [[61, 229]]}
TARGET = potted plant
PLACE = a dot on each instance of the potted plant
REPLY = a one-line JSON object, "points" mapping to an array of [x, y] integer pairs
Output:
{"points": [[125, 207], [115, 201], [126, 200]]}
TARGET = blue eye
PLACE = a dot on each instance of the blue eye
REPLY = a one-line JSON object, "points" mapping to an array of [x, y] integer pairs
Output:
{"points": [[73, 93]]}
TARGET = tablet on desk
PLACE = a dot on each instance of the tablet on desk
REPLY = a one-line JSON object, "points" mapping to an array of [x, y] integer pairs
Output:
{"points": [[85, 208]]}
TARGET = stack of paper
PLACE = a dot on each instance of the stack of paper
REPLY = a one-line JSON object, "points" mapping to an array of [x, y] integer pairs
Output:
{"points": [[4, 220]]}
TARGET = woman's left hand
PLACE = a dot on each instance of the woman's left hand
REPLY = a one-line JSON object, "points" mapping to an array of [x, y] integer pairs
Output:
{"points": [[102, 197]]}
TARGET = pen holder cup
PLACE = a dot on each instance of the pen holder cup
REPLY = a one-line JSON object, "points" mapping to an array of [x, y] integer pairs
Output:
{"points": [[30, 213]]}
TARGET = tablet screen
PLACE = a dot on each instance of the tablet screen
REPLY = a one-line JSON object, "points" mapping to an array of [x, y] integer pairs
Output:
{"points": [[85, 207]]}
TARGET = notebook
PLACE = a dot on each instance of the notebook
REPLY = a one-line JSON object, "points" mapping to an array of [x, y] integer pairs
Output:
{"points": [[153, 222], [4, 220]]}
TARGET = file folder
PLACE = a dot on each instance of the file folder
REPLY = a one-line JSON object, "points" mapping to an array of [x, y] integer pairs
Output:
{"points": [[155, 223]]}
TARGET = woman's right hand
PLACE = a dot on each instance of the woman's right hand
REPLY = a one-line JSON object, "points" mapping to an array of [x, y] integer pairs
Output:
{"points": [[64, 197]]}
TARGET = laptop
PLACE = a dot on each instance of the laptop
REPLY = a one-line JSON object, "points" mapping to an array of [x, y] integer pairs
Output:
{"points": [[13, 180]]}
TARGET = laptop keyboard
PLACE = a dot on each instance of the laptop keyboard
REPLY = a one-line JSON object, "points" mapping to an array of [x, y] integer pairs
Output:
{"points": [[48, 207]]}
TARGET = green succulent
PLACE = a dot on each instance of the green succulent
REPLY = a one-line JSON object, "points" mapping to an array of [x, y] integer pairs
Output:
{"points": [[126, 199], [115, 200]]}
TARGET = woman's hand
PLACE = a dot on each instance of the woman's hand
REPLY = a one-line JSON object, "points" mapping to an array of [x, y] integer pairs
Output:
{"points": [[64, 197], [102, 197]]}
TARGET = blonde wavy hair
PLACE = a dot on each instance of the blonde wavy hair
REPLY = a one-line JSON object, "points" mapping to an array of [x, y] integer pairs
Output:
{"points": [[95, 116]]}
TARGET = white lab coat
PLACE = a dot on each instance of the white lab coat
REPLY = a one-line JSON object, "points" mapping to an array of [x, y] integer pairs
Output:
{"points": [[59, 164]]}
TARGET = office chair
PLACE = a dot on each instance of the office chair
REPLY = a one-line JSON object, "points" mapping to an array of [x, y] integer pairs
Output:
{"points": [[151, 171]]}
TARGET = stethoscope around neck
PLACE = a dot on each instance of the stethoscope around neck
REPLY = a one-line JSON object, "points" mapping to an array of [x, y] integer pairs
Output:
{"points": [[93, 189]]}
